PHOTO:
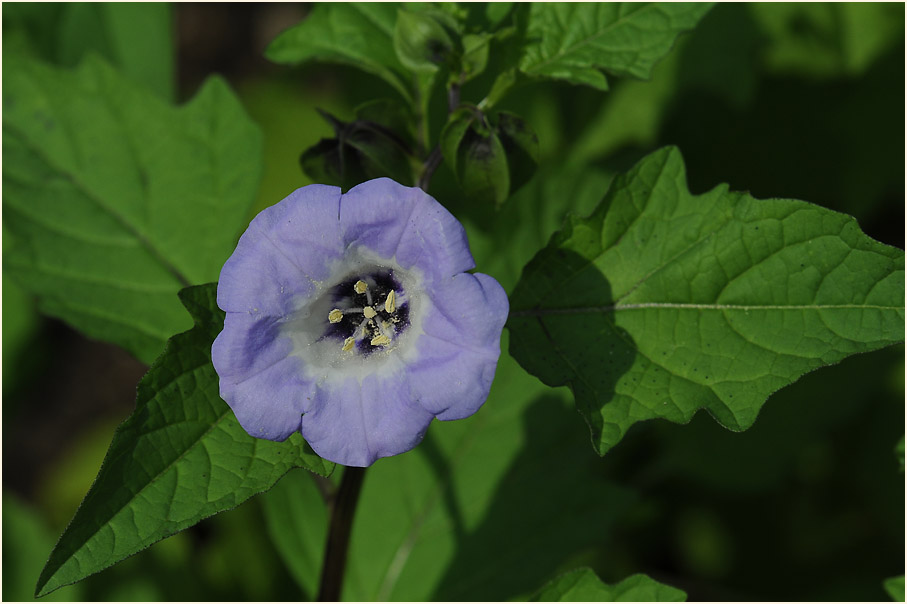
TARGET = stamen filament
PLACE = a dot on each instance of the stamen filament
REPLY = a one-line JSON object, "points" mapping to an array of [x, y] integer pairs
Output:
{"points": [[382, 327], [361, 287], [360, 331]]}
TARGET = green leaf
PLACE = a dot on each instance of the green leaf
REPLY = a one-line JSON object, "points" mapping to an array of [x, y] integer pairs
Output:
{"points": [[582, 585], [391, 115], [118, 199], [179, 458], [475, 55], [662, 303], [576, 42], [827, 39], [496, 12], [298, 537], [501, 86], [136, 37], [360, 34], [421, 40], [895, 588]]}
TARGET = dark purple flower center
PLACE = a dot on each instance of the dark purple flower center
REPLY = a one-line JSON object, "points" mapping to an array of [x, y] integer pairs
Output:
{"points": [[369, 312]]}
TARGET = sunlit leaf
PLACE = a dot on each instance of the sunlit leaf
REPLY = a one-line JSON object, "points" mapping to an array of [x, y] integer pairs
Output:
{"points": [[117, 199], [360, 34], [180, 457], [136, 37], [577, 42], [662, 303], [582, 585]]}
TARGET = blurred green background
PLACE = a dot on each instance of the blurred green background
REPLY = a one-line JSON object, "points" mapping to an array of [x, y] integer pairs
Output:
{"points": [[803, 101]]}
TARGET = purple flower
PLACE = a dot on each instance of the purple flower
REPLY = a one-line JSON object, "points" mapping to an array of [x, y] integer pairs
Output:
{"points": [[350, 318]]}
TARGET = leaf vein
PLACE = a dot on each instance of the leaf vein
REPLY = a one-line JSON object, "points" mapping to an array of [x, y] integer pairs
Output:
{"points": [[91, 196]]}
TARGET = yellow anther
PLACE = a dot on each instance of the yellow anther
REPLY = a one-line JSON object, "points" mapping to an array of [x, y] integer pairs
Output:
{"points": [[381, 340], [390, 303], [369, 312], [348, 344], [335, 316], [360, 287]]}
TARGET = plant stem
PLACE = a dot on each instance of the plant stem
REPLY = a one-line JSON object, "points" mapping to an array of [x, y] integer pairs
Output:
{"points": [[342, 509], [434, 158], [428, 168], [453, 98]]}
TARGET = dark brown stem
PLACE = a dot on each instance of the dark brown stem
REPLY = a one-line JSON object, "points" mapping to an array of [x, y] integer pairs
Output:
{"points": [[342, 510], [453, 98], [428, 168]]}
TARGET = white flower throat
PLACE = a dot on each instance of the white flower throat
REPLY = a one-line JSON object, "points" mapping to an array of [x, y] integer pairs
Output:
{"points": [[364, 319]]}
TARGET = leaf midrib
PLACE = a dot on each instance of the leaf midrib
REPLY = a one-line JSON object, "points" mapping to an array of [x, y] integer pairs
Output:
{"points": [[617, 306], [80, 186], [609, 308]]}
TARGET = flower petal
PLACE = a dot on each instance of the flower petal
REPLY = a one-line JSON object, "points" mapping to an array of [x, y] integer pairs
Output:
{"points": [[470, 309], [355, 424], [449, 381], [287, 248], [459, 350], [406, 223], [247, 345], [279, 369], [261, 383]]}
